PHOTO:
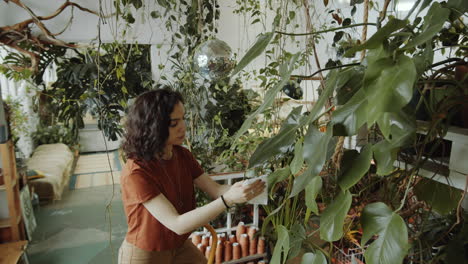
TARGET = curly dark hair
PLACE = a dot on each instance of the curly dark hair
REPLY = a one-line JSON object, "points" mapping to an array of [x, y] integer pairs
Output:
{"points": [[147, 125]]}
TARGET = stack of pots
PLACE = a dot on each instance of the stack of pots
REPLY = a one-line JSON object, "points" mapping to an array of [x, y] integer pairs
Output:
{"points": [[244, 243]]}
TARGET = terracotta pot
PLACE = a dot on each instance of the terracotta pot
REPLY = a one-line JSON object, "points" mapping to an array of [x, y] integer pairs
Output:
{"points": [[244, 242], [253, 244], [219, 253], [205, 240], [232, 238], [202, 248], [241, 229], [222, 237], [236, 251], [261, 245], [252, 231], [196, 238], [227, 251]]}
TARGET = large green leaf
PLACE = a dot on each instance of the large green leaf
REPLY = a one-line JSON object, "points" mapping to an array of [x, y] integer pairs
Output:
{"points": [[298, 160], [360, 166], [277, 176], [352, 82], [441, 197], [391, 246], [311, 191], [398, 128], [385, 155], [332, 218], [374, 55], [460, 5], [281, 250], [425, 59], [260, 45], [315, 144], [332, 82], [279, 143], [379, 37], [388, 85], [301, 181], [314, 258], [269, 98], [348, 118], [297, 234], [425, 4], [433, 23]]}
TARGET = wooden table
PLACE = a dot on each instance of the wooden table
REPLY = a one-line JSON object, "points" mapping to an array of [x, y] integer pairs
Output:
{"points": [[11, 252]]}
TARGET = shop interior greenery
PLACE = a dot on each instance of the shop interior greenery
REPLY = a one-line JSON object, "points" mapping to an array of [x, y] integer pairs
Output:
{"points": [[322, 196]]}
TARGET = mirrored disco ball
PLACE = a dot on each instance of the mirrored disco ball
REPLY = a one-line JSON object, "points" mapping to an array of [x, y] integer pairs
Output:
{"points": [[213, 59]]}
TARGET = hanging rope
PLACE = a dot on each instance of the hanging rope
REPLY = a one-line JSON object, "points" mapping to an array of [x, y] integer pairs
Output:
{"points": [[364, 29]]}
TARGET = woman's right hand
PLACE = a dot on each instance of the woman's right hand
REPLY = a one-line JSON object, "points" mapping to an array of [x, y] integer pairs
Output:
{"points": [[239, 193]]}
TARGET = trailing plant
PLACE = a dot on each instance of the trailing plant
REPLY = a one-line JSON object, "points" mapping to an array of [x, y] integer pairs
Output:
{"points": [[100, 82], [18, 120], [358, 196], [54, 134]]}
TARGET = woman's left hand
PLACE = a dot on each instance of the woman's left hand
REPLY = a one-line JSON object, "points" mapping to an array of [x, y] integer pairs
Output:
{"points": [[240, 193]]}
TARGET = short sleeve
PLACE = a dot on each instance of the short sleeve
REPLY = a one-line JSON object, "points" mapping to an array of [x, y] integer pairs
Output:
{"points": [[195, 168], [138, 187]]}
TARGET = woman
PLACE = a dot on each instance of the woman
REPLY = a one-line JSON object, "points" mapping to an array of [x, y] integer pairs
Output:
{"points": [[157, 184]]}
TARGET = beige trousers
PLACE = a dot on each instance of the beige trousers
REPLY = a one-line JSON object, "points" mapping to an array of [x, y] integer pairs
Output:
{"points": [[186, 254]]}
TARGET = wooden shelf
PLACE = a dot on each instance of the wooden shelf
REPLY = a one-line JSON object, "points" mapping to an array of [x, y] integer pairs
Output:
{"points": [[246, 259], [12, 222], [3, 186], [11, 252], [6, 222]]}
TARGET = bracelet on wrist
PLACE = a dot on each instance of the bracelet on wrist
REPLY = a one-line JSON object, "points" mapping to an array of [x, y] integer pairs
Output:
{"points": [[225, 204]]}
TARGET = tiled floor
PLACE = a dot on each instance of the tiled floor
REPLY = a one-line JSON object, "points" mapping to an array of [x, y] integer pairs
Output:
{"points": [[88, 224]]}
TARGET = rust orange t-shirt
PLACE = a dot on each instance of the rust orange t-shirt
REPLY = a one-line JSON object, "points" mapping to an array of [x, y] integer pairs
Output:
{"points": [[141, 181]]}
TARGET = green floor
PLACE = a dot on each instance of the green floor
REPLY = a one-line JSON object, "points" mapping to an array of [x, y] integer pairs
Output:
{"points": [[76, 229]]}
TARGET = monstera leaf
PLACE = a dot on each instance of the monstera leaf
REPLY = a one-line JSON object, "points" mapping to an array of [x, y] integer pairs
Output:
{"points": [[269, 97], [332, 218], [277, 176], [360, 166], [388, 84], [385, 154], [314, 142], [398, 128], [280, 253], [391, 245], [297, 234], [298, 160], [279, 143], [350, 117], [379, 37], [255, 51], [433, 23], [311, 192]]}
